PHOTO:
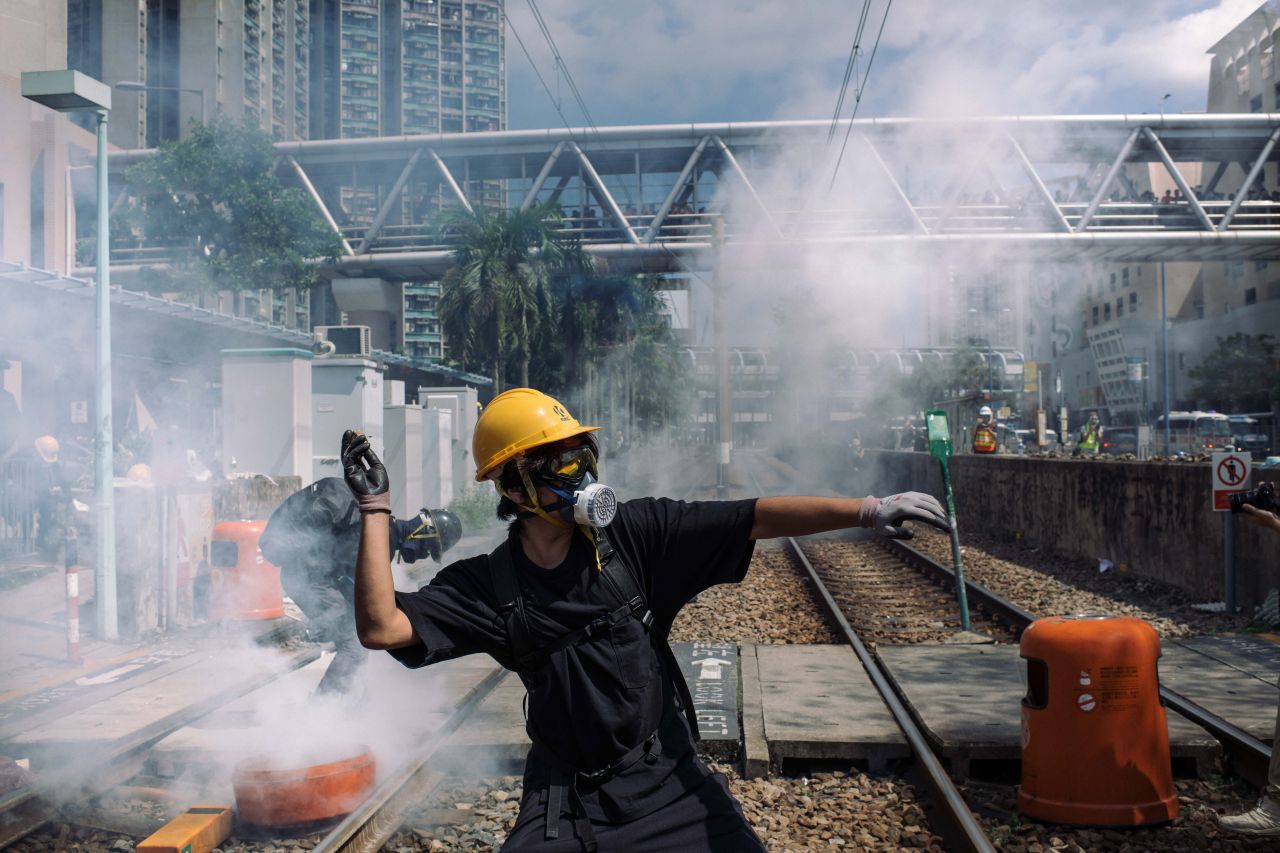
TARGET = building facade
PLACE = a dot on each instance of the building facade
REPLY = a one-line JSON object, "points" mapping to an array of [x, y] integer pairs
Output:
{"points": [[305, 69]]}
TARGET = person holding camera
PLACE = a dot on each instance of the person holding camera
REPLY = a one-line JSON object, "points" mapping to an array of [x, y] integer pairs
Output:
{"points": [[1263, 820]]}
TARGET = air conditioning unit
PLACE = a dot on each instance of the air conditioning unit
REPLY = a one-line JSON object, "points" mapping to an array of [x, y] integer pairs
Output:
{"points": [[353, 341]]}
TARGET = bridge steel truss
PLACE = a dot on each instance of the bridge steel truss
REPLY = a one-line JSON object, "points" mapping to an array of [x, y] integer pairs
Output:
{"points": [[645, 197]]}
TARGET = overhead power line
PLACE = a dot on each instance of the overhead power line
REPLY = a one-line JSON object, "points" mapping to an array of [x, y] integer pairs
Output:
{"points": [[858, 93], [849, 68]]}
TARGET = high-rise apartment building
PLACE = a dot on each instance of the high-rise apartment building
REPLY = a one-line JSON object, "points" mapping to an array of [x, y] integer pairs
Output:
{"points": [[305, 69], [244, 57]]}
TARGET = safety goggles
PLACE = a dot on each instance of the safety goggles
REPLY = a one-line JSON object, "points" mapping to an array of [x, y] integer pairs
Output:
{"points": [[568, 467]]}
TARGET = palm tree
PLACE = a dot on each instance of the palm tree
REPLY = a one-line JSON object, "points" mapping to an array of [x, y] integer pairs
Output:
{"points": [[496, 302]]}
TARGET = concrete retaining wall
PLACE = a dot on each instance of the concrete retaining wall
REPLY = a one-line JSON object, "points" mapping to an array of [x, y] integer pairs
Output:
{"points": [[1154, 519]]}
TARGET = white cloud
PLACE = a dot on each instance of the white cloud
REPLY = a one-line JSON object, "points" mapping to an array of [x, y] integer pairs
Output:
{"points": [[712, 60]]}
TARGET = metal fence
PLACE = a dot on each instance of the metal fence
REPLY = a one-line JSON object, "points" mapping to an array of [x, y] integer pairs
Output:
{"points": [[18, 503]]}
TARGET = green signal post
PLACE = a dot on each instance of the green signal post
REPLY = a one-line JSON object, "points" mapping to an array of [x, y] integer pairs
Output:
{"points": [[940, 447]]}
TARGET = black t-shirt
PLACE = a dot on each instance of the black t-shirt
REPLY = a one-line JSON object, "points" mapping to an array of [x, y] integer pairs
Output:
{"points": [[595, 701]]}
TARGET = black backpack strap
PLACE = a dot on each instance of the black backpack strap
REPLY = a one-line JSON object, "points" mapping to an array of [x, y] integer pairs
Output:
{"points": [[511, 602], [624, 585]]}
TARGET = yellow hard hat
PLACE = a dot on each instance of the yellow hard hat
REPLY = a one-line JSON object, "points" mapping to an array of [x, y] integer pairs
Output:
{"points": [[47, 447], [139, 473], [516, 421]]}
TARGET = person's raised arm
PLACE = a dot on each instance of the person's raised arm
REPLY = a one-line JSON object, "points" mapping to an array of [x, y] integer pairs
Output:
{"points": [[379, 623], [1262, 518], [799, 516]]}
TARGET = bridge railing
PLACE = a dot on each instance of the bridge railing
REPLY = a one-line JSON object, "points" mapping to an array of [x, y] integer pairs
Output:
{"points": [[698, 227]]}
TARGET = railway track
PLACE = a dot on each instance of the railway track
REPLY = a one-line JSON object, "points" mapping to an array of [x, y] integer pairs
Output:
{"points": [[880, 583], [965, 832], [876, 600], [367, 828], [81, 778], [1248, 755]]}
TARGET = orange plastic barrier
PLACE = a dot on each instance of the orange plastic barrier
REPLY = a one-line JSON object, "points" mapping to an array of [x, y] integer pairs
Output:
{"points": [[1095, 741], [197, 830], [270, 797], [242, 584]]}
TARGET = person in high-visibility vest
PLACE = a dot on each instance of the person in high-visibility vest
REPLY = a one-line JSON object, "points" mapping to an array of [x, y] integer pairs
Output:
{"points": [[984, 432], [1090, 435]]}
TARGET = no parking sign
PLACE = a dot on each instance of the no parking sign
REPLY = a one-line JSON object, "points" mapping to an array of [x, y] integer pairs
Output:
{"points": [[1231, 473]]}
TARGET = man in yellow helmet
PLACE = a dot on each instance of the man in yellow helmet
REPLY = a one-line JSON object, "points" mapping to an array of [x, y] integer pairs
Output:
{"points": [[578, 601]]}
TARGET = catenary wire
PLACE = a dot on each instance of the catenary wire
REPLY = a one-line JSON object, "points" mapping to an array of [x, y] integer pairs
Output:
{"points": [[857, 95], [848, 70]]}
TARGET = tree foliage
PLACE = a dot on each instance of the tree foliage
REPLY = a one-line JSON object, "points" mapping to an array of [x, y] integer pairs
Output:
{"points": [[496, 303], [1241, 374], [965, 371], [216, 200], [526, 305]]}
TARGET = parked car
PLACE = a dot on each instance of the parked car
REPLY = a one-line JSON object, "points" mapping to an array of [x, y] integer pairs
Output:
{"points": [[1119, 442], [1247, 434], [1028, 437]]}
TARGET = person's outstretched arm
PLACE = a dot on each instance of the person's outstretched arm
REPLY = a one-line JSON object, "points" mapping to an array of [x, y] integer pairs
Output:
{"points": [[379, 623], [799, 516]]}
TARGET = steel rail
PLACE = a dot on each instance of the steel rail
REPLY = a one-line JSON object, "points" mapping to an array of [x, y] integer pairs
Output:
{"points": [[367, 828], [27, 809], [1249, 754], [947, 795]]}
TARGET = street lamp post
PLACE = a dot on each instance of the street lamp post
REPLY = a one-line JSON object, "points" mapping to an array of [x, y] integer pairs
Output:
{"points": [[1164, 349], [72, 91], [135, 86]]}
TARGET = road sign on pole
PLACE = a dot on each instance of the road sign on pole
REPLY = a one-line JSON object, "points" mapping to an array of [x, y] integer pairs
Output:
{"points": [[1231, 474]]}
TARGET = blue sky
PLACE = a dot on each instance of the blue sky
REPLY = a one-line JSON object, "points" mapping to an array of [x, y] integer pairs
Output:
{"points": [[663, 61]]}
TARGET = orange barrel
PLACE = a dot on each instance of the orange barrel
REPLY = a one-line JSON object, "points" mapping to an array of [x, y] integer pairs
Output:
{"points": [[267, 795], [242, 584], [1095, 741]]}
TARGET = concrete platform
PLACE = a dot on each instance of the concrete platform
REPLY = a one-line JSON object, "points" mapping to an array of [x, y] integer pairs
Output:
{"points": [[493, 741], [968, 698], [819, 703], [207, 680], [1240, 689]]}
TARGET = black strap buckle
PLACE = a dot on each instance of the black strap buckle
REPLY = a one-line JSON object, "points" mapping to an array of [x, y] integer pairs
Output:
{"points": [[641, 611]]}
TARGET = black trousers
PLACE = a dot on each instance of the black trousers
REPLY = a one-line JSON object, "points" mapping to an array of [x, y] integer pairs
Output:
{"points": [[707, 818], [330, 617]]}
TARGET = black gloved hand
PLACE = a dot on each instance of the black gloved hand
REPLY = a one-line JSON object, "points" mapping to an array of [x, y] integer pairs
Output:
{"points": [[365, 474]]}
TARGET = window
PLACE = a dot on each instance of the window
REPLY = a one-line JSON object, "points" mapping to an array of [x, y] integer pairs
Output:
{"points": [[1095, 315], [1259, 265], [1113, 282], [1133, 302], [1251, 296], [1277, 91], [1119, 308], [1124, 277], [1255, 104], [1106, 313]]}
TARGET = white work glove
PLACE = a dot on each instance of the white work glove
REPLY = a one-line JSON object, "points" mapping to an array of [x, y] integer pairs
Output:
{"points": [[887, 514]]}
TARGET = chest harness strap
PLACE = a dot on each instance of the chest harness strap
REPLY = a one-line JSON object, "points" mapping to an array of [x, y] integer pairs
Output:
{"points": [[529, 659]]}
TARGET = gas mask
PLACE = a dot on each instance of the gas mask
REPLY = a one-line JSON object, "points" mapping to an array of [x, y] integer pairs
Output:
{"points": [[571, 477], [593, 504]]}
